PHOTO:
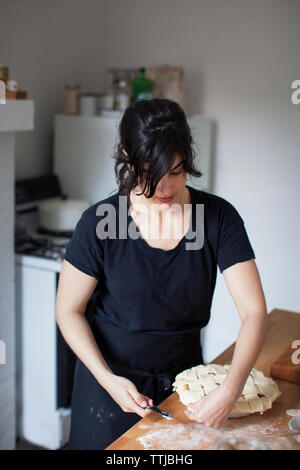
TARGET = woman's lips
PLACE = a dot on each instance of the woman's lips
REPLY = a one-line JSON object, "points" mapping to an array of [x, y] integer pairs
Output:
{"points": [[165, 199]]}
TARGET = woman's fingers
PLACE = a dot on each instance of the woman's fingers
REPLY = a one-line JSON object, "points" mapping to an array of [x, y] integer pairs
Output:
{"points": [[125, 393], [141, 400], [216, 419], [138, 401], [194, 416], [131, 406], [196, 405], [211, 410], [190, 414], [134, 406]]}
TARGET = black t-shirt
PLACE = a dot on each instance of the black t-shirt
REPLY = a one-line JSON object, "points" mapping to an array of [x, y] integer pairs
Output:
{"points": [[151, 290]]}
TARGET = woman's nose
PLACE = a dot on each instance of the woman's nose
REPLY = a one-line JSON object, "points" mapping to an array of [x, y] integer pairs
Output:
{"points": [[164, 187]]}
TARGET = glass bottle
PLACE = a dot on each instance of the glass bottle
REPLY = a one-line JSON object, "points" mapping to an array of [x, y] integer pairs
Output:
{"points": [[142, 87], [123, 96]]}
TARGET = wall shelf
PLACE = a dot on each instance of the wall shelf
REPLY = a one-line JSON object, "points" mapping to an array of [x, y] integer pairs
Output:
{"points": [[16, 115]]}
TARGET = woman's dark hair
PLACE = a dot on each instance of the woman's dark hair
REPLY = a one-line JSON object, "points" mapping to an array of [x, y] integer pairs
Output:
{"points": [[153, 132]]}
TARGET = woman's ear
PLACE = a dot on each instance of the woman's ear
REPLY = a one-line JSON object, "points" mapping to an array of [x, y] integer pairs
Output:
{"points": [[125, 153]]}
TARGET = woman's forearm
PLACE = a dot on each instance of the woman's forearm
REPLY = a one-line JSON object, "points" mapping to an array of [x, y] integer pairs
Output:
{"points": [[248, 346], [78, 334]]}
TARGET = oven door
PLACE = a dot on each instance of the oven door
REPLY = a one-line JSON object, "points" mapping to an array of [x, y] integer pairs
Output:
{"points": [[45, 364]]}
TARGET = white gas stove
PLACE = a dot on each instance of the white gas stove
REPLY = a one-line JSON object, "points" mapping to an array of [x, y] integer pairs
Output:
{"points": [[45, 364]]}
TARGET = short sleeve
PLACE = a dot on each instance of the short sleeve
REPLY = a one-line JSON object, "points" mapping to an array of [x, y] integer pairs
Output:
{"points": [[233, 242], [85, 250]]}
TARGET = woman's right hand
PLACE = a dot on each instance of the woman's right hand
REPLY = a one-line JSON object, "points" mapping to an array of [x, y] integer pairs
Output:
{"points": [[125, 393]]}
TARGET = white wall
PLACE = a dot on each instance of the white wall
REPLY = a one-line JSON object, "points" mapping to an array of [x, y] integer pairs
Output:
{"points": [[47, 43], [240, 58]]}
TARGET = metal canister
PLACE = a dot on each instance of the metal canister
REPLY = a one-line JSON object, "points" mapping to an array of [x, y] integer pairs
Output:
{"points": [[88, 104]]}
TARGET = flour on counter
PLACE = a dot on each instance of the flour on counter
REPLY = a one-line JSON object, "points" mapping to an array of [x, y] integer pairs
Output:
{"points": [[194, 435], [178, 436], [144, 426]]}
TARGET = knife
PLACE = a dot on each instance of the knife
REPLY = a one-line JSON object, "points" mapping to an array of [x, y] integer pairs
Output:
{"points": [[159, 411]]}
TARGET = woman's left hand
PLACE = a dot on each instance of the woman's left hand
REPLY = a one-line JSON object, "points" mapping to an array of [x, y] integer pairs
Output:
{"points": [[213, 409]]}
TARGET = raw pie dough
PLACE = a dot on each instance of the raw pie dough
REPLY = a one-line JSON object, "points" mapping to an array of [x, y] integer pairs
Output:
{"points": [[258, 394]]}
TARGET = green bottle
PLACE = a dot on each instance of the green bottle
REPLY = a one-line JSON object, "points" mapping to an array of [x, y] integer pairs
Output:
{"points": [[142, 87]]}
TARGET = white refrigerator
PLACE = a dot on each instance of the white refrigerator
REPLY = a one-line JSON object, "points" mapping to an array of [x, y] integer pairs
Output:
{"points": [[84, 148]]}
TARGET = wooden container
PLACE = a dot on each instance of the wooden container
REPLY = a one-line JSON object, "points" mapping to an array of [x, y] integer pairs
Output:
{"points": [[285, 367], [16, 95]]}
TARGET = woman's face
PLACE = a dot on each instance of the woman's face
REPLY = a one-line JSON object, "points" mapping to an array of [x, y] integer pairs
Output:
{"points": [[170, 187]]}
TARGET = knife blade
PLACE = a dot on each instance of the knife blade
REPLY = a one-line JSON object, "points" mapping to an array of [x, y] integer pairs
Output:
{"points": [[159, 411]]}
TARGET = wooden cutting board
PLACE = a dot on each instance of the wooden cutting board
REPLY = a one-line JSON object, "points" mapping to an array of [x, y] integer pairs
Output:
{"points": [[286, 367], [154, 432]]}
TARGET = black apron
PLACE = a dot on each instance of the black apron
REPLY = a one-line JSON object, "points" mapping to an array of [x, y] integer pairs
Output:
{"points": [[150, 361]]}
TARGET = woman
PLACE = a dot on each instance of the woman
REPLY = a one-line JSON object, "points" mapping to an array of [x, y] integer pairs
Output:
{"points": [[131, 302]]}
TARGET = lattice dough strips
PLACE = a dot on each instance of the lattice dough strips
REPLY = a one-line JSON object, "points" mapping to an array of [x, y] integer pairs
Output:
{"points": [[258, 394]]}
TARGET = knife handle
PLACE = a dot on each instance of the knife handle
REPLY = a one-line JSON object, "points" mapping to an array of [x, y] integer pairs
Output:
{"points": [[158, 410]]}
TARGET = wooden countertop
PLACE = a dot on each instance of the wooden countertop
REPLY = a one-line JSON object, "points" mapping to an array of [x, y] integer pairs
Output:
{"points": [[155, 432]]}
